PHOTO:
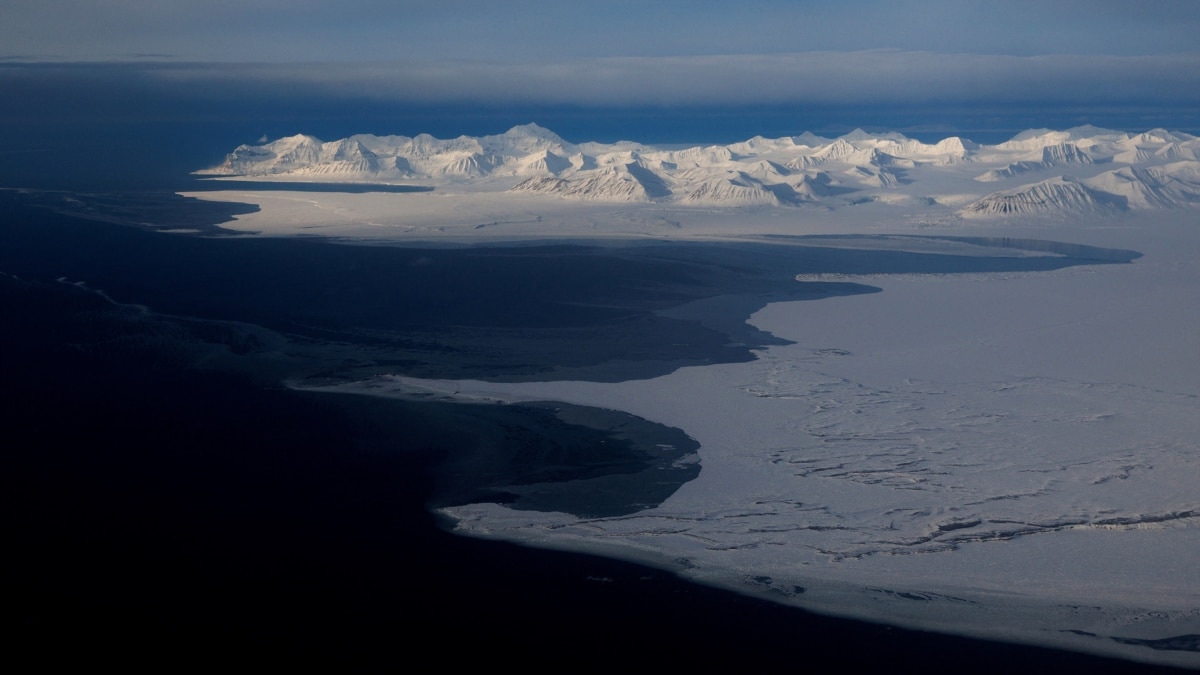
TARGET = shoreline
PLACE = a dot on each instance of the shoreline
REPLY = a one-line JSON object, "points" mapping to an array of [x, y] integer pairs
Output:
{"points": [[1124, 621], [948, 609], [1066, 621], [1018, 331]]}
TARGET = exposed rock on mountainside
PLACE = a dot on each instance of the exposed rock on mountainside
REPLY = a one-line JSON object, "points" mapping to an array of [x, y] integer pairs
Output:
{"points": [[1159, 172]]}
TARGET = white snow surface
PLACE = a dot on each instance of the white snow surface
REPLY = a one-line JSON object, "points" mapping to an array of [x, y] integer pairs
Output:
{"points": [[530, 159], [1014, 456]]}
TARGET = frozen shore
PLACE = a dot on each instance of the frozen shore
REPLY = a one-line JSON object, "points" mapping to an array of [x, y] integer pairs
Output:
{"points": [[1004, 455], [1010, 456]]}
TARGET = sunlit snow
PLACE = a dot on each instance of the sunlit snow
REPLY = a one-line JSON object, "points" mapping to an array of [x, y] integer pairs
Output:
{"points": [[1008, 455]]}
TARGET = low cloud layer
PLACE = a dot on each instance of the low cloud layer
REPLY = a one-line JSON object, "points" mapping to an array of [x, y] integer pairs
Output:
{"points": [[319, 59], [817, 78]]}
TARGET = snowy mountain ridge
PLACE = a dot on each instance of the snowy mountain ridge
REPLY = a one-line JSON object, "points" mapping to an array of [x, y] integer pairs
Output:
{"points": [[1114, 170]]}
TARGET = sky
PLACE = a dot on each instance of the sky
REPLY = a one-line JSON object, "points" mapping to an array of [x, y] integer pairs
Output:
{"points": [[928, 64], [286, 31]]}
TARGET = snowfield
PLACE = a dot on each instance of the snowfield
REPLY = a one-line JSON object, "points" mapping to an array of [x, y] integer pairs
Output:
{"points": [[1014, 456], [787, 171], [528, 182]]}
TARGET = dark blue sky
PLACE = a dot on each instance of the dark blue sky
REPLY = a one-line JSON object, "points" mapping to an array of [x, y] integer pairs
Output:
{"points": [[651, 70]]}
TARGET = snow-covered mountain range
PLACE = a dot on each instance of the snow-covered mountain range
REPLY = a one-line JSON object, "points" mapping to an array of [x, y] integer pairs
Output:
{"points": [[1085, 169]]}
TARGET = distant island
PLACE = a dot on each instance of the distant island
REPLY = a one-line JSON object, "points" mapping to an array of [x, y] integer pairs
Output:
{"points": [[1040, 171]]}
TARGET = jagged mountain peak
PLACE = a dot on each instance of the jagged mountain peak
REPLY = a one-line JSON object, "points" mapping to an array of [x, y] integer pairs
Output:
{"points": [[1030, 134], [956, 144], [298, 138], [1058, 194], [858, 135], [1165, 186], [286, 143], [1087, 131], [811, 140], [790, 170], [532, 129], [1063, 154], [525, 138], [838, 149]]}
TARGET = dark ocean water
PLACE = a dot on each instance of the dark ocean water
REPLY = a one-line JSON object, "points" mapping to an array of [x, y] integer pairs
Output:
{"points": [[164, 489]]}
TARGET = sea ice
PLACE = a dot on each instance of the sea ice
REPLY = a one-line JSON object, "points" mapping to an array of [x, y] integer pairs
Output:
{"points": [[1006, 455]]}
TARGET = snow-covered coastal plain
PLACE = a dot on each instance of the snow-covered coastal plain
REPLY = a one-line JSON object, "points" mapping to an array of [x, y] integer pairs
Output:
{"points": [[1006, 455]]}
